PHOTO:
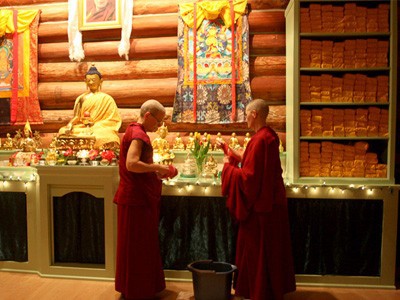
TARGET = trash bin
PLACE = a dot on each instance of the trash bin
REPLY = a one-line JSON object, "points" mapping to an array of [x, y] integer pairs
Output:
{"points": [[211, 280]]}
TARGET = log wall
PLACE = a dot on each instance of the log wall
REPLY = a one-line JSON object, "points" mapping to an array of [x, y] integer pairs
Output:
{"points": [[151, 71]]}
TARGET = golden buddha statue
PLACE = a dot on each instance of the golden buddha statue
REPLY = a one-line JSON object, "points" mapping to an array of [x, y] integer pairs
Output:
{"points": [[178, 143], [246, 140], [27, 143], [204, 138], [54, 142], [8, 143], [210, 167], [161, 151], [220, 140], [190, 142], [17, 138], [160, 144], [234, 142], [95, 115], [28, 146], [38, 139]]}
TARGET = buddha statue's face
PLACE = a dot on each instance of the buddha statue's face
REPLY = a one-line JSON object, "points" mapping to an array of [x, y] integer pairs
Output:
{"points": [[93, 82], [162, 132], [27, 133]]}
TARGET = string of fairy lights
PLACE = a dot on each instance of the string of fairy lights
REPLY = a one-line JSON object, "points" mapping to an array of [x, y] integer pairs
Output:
{"points": [[12, 179], [211, 186]]}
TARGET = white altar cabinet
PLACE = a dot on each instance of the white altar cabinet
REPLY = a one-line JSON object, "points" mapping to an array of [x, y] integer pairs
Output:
{"points": [[58, 181]]}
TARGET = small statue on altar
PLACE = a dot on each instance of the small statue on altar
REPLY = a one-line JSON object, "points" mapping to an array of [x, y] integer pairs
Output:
{"points": [[38, 139], [205, 138], [160, 144], [218, 140], [210, 167], [28, 146], [27, 143], [17, 139], [234, 142], [178, 143], [161, 152], [246, 140], [54, 142], [8, 144], [190, 142]]}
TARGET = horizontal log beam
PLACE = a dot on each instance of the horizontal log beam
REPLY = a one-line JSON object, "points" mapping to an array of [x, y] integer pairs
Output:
{"points": [[151, 48], [145, 69], [149, 26], [127, 93], [132, 93], [55, 119], [59, 11], [29, 2], [115, 70]]}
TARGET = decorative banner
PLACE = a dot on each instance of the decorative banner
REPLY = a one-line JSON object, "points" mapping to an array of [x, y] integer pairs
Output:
{"points": [[18, 67], [208, 56]]}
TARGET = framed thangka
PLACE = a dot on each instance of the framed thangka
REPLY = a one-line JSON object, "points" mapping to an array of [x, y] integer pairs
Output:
{"points": [[18, 67], [213, 63], [99, 14]]}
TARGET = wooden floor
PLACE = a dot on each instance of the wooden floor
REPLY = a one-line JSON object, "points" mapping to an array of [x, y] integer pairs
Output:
{"points": [[24, 286]]}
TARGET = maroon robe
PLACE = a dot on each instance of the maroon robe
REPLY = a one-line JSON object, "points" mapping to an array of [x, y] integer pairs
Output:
{"points": [[139, 272], [256, 197]]}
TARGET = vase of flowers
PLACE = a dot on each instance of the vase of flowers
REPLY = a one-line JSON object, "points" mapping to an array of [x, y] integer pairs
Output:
{"points": [[94, 157], [66, 156], [200, 150], [106, 157]]}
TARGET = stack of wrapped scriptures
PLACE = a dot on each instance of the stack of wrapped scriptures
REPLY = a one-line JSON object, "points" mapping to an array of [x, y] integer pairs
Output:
{"points": [[350, 17], [328, 159], [350, 87], [348, 122], [349, 53]]}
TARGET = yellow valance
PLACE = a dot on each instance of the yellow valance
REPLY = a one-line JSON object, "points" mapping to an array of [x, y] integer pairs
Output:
{"points": [[211, 10], [24, 19], [6, 22]]}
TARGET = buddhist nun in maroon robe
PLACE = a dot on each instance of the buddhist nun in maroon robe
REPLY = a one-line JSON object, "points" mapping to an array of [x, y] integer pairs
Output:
{"points": [[139, 272], [256, 198]]}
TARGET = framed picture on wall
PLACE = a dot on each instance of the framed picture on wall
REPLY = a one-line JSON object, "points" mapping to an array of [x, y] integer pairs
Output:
{"points": [[99, 14]]}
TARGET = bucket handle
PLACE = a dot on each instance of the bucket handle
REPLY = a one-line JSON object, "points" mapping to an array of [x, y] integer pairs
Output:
{"points": [[192, 269]]}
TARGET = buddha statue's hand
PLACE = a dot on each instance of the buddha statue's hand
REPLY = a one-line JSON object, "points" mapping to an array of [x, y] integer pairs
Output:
{"points": [[68, 129]]}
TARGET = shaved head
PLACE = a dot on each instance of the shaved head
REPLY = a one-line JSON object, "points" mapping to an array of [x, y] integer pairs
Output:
{"points": [[260, 106], [153, 106]]}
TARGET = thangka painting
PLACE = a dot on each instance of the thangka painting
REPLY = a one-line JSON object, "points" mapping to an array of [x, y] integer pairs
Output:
{"points": [[213, 63], [18, 67]]}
